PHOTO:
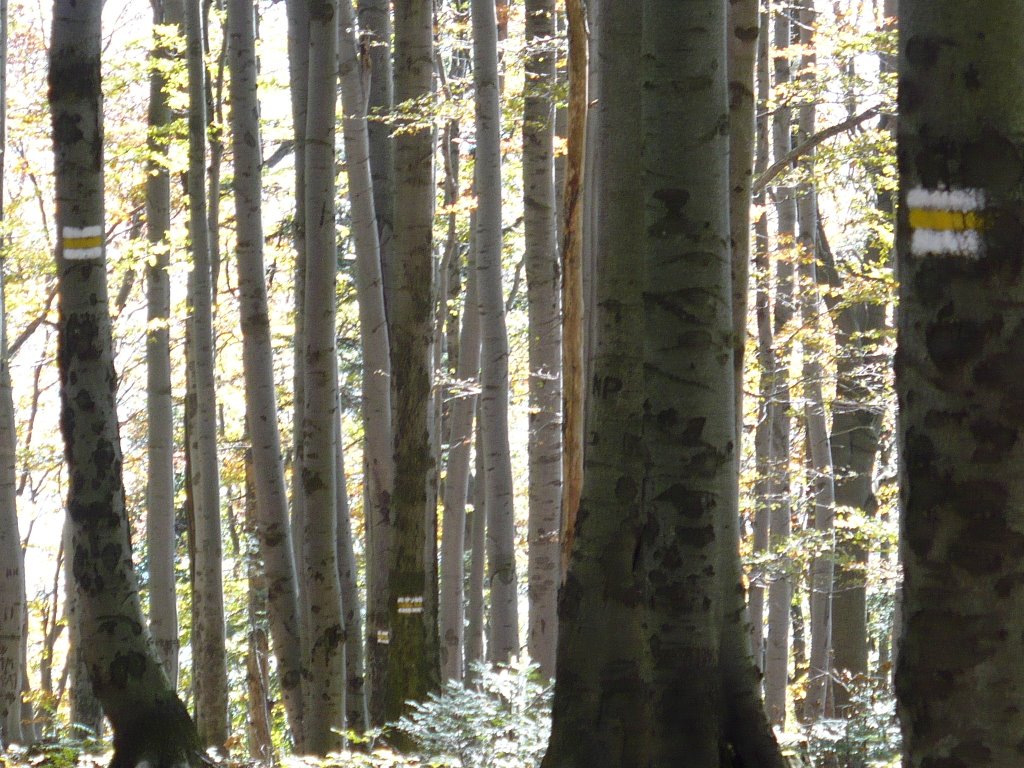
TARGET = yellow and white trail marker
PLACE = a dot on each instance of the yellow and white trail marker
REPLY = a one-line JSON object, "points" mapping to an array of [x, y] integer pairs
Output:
{"points": [[83, 243], [410, 604], [946, 221]]}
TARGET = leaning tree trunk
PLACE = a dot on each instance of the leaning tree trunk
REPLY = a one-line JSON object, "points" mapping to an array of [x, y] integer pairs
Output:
{"points": [[271, 508], [208, 634], [503, 640], [543, 288], [160, 535], [412, 666], [323, 689], [959, 380], [150, 723], [12, 578]]}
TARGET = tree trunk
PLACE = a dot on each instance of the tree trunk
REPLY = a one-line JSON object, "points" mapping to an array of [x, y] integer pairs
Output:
{"points": [[324, 650], [84, 711], [503, 639], [150, 723], [375, 26], [573, 358], [271, 509], [543, 288], [160, 534], [377, 425], [958, 377], [411, 670], [456, 488], [12, 579], [478, 564], [776, 676], [356, 713]]}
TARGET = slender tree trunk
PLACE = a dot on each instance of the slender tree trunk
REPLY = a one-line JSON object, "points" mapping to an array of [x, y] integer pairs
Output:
{"points": [[377, 426], [257, 659], [820, 452], [543, 288], [958, 377], [573, 362], [208, 646], [271, 508], [478, 564], [160, 535], [780, 591], [375, 26], [411, 672], [12, 579], [356, 713], [503, 639], [150, 723], [298, 78], [324, 650], [456, 488]]}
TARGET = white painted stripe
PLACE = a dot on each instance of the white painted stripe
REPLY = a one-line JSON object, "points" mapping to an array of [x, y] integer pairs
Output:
{"points": [[947, 199], [935, 241], [76, 232], [83, 254]]}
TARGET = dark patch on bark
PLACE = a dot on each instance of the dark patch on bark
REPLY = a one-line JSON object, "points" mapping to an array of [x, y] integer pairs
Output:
{"points": [[923, 52], [66, 130], [81, 338], [746, 34], [993, 162], [984, 543], [312, 482], [625, 489], [126, 667], [687, 503], [994, 440], [952, 344]]}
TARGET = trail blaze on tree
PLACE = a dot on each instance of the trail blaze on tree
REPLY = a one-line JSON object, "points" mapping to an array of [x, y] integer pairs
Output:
{"points": [[150, 723], [960, 380]]}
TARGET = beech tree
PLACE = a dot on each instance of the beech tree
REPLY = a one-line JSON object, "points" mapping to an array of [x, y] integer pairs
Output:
{"points": [[150, 723], [958, 377], [653, 665]]}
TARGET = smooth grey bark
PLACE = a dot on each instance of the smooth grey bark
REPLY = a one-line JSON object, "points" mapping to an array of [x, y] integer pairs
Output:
{"points": [[503, 637], [271, 495], [478, 562], [374, 338], [356, 712], [84, 711], [323, 685], [815, 415], [375, 39], [762, 312], [959, 381], [298, 87], [160, 534], [12, 579], [776, 676], [456, 489], [412, 666], [150, 723], [208, 646], [545, 334]]}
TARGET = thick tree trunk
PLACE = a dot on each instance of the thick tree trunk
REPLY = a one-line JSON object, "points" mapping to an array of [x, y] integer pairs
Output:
{"points": [[543, 289], [208, 634], [84, 711], [601, 714], [503, 639], [150, 723], [412, 668], [271, 510], [323, 688], [377, 424], [160, 535], [456, 488], [959, 381]]}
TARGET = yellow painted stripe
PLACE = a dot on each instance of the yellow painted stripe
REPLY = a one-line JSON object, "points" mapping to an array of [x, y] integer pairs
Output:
{"points": [[950, 221], [82, 242]]}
